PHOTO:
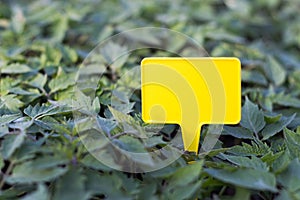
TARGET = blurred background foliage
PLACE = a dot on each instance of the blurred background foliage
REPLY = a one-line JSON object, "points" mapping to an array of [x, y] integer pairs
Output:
{"points": [[43, 43]]}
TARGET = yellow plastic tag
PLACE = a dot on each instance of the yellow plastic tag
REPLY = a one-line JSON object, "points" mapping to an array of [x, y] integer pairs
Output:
{"points": [[191, 92]]}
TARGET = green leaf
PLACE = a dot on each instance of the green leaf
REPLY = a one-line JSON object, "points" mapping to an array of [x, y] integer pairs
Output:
{"points": [[45, 56], [186, 174], [41, 194], [15, 69], [49, 161], [274, 71], [253, 77], [38, 81], [272, 118], [292, 141], [18, 19], [84, 103], [91, 162], [238, 132], [5, 119], [111, 185], [69, 54], [153, 141], [27, 172], [241, 193], [130, 144], [62, 81], [114, 55], [52, 57], [185, 181], [248, 178], [284, 195], [250, 150], [50, 123], [11, 102], [128, 123], [253, 163], [148, 192], [252, 117], [287, 100], [107, 125], [271, 129], [41, 111], [11, 143], [281, 162], [96, 105], [290, 177], [1, 162], [70, 186], [59, 28]]}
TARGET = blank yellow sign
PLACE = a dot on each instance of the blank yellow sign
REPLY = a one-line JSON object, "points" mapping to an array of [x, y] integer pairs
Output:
{"points": [[191, 92]]}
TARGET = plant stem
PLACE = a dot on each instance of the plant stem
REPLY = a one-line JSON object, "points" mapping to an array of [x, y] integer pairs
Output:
{"points": [[7, 172], [118, 135]]}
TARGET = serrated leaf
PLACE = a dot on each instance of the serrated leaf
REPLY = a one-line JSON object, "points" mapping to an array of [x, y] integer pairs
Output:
{"points": [[50, 123], [83, 103], [250, 150], [39, 111], [253, 163], [271, 129], [252, 117], [129, 125], [270, 157], [62, 81], [5, 119], [22, 123]]}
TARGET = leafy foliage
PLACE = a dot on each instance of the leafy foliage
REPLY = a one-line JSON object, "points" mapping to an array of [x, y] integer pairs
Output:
{"points": [[42, 47]]}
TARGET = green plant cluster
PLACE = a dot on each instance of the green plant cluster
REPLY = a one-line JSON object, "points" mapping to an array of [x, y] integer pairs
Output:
{"points": [[43, 43]]}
